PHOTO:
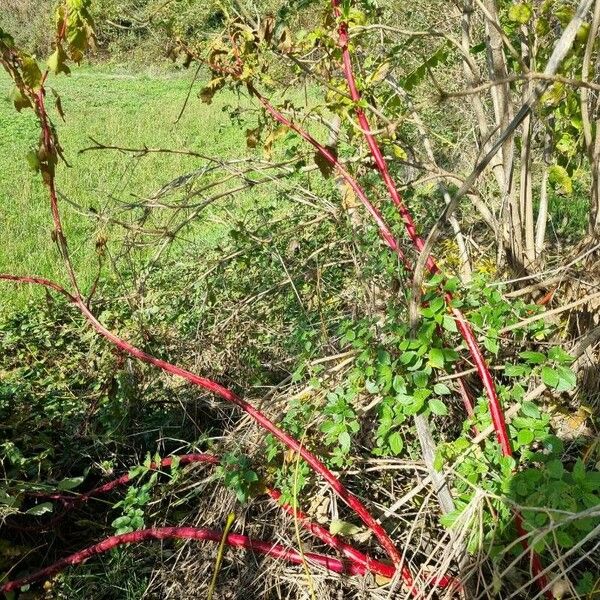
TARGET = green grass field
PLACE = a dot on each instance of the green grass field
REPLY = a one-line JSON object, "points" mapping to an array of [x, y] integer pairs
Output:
{"points": [[114, 108]]}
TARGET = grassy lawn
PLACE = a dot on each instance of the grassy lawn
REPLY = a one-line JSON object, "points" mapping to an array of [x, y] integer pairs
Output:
{"points": [[113, 108]]}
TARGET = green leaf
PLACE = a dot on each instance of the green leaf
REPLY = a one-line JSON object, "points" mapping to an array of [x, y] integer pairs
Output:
{"points": [[553, 96], [57, 61], [449, 324], [439, 459], [555, 469], [567, 380], [520, 12], [567, 145], [441, 390], [438, 407], [371, 387], [564, 539], [579, 471], [560, 180], [478, 48], [399, 152], [344, 441], [529, 409], [421, 379], [33, 161], [380, 72], [40, 509], [396, 443], [516, 370], [550, 377], [137, 471], [339, 527], [491, 344], [436, 358], [525, 437], [560, 356], [533, 358]]}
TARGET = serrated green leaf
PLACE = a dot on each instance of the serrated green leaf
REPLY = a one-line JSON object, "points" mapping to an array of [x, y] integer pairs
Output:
{"points": [[533, 358], [449, 324], [438, 407], [529, 409], [567, 380], [436, 358], [516, 370], [550, 377], [399, 152], [344, 441], [560, 356]]}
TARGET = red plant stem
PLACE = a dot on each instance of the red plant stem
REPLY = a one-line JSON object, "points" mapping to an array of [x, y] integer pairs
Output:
{"points": [[332, 159], [191, 533], [467, 403], [351, 553], [496, 411], [462, 324], [373, 146], [536, 563], [124, 479], [334, 541], [350, 499]]}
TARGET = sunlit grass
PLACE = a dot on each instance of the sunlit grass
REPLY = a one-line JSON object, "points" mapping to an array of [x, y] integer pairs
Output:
{"points": [[114, 108]]}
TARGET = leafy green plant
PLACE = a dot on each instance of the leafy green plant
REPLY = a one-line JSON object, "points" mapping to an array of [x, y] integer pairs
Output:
{"points": [[136, 499], [558, 498], [238, 475]]}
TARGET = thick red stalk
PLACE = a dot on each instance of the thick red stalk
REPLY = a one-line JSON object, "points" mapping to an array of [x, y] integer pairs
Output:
{"points": [[226, 394], [372, 143], [536, 563], [462, 324], [335, 542], [351, 553], [190, 533], [332, 159], [124, 479], [496, 411]]}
